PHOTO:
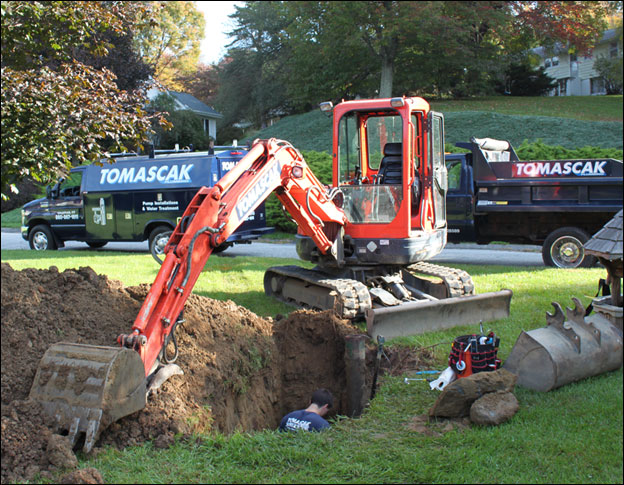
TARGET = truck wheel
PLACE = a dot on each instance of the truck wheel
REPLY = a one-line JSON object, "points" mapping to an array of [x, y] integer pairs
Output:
{"points": [[40, 238], [158, 239], [96, 245], [563, 248]]}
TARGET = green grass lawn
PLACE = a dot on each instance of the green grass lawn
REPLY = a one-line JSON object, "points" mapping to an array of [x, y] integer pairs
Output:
{"points": [[570, 435]]}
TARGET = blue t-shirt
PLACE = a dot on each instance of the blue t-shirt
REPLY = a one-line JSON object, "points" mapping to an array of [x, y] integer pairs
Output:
{"points": [[303, 419]]}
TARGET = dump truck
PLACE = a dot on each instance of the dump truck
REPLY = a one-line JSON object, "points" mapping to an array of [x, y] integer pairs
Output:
{"points": [[371, 234], [559, 204]]}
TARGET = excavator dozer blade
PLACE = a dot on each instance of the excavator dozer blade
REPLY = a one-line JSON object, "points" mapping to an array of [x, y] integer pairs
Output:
{"points": [[566, 350], [85, 388], [422, 316]]}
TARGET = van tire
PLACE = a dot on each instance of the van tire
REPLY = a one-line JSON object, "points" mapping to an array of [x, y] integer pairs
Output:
{"points": [[563, 248], [220, 249], [96, 245], [158, 239], [41, 238]]}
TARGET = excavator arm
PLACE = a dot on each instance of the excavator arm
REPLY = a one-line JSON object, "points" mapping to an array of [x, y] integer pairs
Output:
{"points": [[213, 215]]}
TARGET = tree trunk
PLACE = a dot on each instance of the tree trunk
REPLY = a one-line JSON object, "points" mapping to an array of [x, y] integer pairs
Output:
{"points": [[387, 72]]}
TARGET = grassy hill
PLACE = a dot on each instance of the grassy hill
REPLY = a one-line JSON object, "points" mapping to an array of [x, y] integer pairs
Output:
{"points": [[571, 122]]}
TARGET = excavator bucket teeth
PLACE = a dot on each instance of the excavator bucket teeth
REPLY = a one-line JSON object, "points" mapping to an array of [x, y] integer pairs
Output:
{"points": [[568, 349], [422, 316], [85, 388]]}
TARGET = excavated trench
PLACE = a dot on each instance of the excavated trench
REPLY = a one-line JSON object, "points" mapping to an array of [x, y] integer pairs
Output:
{"points": [[241, 371]]}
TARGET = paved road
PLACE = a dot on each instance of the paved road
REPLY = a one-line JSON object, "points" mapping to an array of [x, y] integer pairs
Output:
{"points": [[507, 255]]}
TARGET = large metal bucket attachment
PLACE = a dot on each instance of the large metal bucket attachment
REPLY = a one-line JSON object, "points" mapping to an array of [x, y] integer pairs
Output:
{"points": [[422, 316], [566, 350], [88, 387]]}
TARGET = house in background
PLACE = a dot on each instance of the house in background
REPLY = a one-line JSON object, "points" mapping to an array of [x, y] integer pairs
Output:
{"points": [[575, 75], [187, 102]]}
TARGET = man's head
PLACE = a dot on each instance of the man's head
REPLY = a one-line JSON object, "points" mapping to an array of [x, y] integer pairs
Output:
{"points": [[323, 400]]}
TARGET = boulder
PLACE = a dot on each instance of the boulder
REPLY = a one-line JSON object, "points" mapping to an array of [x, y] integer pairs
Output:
{"points": [[458, 396], [494, 408]]}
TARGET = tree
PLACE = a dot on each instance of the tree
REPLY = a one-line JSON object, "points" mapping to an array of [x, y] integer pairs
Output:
{"points": [[186, 128], [57, 112], [170, 42]]}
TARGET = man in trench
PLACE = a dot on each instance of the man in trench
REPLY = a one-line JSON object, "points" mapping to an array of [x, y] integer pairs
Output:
{"points": [[311, 418]]}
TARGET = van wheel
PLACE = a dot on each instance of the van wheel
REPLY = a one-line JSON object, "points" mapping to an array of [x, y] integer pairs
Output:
{"points": [[158, 239], [563, 248], [220, 249], [96, 245], [40, 238]]}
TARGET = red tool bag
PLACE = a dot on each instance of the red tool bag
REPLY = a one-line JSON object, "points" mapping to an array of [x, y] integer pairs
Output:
{"points": [[474, 353]]}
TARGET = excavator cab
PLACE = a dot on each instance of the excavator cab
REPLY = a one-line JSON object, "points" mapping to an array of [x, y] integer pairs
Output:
{"points": [[388, 162]]}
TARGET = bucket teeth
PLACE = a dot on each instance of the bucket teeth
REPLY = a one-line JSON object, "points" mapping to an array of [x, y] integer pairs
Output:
{"points": [[556, 318], [86, 388]]}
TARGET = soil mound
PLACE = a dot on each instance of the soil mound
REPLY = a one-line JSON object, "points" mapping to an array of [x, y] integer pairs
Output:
{"points": [[241, 371]]}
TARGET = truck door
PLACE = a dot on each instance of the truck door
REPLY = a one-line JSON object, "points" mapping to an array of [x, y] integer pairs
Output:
{"points": [[459, 199], [440, 177]]}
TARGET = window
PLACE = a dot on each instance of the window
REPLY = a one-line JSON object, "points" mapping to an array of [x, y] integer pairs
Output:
{"points": [[547, 63], [597, 85], [555, 61], [562, 87], [613, 49]]}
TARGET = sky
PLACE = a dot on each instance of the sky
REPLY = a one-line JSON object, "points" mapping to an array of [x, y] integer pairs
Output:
{"points": [[217, 23]]}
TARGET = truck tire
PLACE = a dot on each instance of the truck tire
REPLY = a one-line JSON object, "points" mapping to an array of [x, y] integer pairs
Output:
{"points": [[41, 238], [563, 248], [158, 239]]}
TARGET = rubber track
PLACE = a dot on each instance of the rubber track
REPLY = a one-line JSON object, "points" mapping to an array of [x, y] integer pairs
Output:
{"points": [[458, 282], [354, 295]]}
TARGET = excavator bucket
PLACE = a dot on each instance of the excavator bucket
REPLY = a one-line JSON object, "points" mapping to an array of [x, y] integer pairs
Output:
{"points": [[566, 350], [85, 388], [422, 316]]}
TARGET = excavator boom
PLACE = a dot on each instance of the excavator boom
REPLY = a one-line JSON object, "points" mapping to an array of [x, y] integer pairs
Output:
{"points": [[85, 387]]}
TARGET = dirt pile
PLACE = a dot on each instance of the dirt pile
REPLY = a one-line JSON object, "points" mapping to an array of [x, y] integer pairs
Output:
{"points": [[240, 371]]}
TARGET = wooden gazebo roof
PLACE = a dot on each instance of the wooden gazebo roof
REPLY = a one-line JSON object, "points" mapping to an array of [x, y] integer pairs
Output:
{"points": [[607, 243]]}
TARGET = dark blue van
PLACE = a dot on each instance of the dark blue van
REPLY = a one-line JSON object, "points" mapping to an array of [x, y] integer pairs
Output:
{"points": [[137, 198]]}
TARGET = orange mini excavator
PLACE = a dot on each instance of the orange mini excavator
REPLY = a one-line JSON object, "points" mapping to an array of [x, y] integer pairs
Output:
{"points": [[370, 235]]}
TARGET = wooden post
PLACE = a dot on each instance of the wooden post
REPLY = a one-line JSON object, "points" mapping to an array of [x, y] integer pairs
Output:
{"points": [[355, 367]]}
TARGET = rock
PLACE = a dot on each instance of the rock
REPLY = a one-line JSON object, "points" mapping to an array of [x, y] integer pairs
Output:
{"points": [[86, 475], [457, 397], [494, 408], [60, 452]]}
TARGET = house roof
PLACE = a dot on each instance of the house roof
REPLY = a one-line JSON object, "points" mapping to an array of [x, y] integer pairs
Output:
{"points": [[607, 243], [191, 103], [559, 48]]}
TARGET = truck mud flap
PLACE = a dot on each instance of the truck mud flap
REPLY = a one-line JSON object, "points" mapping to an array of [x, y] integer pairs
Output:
{"points": [[414, 318], [85, 388], [566, 350]]}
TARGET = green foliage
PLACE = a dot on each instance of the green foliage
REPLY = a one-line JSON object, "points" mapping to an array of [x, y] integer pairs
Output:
{"points": [[522, 79], [611, 72], [56, 111], [187, 128], [169, 43], [51, 120], [321, 165]]}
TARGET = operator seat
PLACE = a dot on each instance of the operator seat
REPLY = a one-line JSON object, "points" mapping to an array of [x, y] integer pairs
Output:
{"points": [[391, 166]]}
